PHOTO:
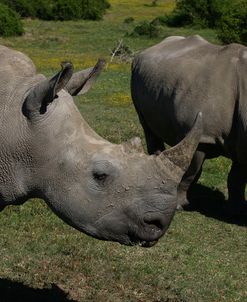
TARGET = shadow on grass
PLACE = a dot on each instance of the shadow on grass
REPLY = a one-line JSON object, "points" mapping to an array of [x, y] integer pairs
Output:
{"points": [[12, 291], [212, 203]]}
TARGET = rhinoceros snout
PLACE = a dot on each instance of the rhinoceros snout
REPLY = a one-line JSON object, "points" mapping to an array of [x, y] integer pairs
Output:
{"points": [[154, 226], [133, 227], [146, 228]]}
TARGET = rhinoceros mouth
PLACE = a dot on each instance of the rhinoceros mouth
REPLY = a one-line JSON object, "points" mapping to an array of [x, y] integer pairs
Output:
{"points": [[143, 243], [148, 243], [134, 240]]}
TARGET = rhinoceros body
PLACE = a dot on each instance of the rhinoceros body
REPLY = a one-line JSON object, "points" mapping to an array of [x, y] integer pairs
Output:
{"points": [[47, 150], [178, 77]]}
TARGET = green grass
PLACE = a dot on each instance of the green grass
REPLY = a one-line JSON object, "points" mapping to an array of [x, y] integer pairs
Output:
{"points": [[202, 257]]}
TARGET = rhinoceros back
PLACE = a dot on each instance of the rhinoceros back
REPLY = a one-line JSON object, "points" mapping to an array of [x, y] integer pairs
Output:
{"points": [[15, 70], [177, 78], [16, 62]]}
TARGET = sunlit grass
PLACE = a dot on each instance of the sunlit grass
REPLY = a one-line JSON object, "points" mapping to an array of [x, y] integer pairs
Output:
{"points": [[139, 10], [119, 99]]}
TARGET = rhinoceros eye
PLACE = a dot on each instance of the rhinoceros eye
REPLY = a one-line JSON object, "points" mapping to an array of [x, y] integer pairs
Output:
{"points": [[101, 177], [103, 172]]}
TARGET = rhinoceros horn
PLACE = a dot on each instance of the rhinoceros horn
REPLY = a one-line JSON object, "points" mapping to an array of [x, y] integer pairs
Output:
{"points": [[178, 158]]}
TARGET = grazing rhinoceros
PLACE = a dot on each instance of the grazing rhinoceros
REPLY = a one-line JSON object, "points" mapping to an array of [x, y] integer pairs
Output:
{"points": [[178, 77], [111, 192]]}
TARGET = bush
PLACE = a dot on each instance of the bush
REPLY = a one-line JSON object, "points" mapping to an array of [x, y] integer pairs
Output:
{"points": [[228, 16], [203, 13], [10, 23], [161, 20], [128, 20], [146, 28], [233, 26], [94, 9], [44, 9], [25, 8], [31, 8], [79, 9], [59, 9], [66, 10]]}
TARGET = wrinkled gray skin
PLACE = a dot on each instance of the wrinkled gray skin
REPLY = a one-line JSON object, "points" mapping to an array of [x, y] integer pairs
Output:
{"points": [[111, 192], [178, 77]]}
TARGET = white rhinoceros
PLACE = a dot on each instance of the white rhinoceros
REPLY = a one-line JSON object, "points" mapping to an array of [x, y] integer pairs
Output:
{"points": [[111, 192], [178, 77]]}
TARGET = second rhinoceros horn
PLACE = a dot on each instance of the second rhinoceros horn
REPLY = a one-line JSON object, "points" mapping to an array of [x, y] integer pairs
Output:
{"points": [[178, 158]]}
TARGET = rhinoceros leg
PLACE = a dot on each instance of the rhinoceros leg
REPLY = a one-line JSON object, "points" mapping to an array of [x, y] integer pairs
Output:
{"points": [[155, 145], [236, 182], [190, 177]]}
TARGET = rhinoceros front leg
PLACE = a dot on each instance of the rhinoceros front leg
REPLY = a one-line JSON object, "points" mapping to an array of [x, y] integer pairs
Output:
{"points": [[154, 144], [190, 177], [236, 182]]}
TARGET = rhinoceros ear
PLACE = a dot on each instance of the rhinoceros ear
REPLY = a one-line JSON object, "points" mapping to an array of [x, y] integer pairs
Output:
{"points": [[82, 81], [41, 95], [178, 158]]}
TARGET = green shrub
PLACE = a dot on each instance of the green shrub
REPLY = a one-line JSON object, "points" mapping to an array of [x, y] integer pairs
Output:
{"points": [[94, 9], [203, 13], [104, 4], [66, 10], [79, 9], [59, 9], [128, 20], [161, 20], [31, 8], [25, 8], [228, 16], [10, 23], [146, 28], [232, 27], [44, 9], [154, 3]]}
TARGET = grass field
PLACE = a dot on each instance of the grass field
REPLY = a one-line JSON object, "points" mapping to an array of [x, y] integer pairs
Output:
{"points": [[202, 257]]}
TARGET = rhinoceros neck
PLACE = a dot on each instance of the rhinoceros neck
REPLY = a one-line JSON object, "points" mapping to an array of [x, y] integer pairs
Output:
{"points": [[91, 137], [16, 72], [15, 149], [72, 124], [26, 149]]}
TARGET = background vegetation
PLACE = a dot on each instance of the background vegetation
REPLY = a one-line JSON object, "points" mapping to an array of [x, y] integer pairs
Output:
{"points": [[59, 9], [229, 17], [203, 255], [10, 23]]}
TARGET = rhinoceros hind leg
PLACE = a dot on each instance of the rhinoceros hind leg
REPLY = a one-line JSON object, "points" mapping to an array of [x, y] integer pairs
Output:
{"points": [[236, 182], [190, 177]]}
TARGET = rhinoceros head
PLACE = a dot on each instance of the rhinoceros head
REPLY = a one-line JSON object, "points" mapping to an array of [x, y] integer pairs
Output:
{"points": [[112, 192]]}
